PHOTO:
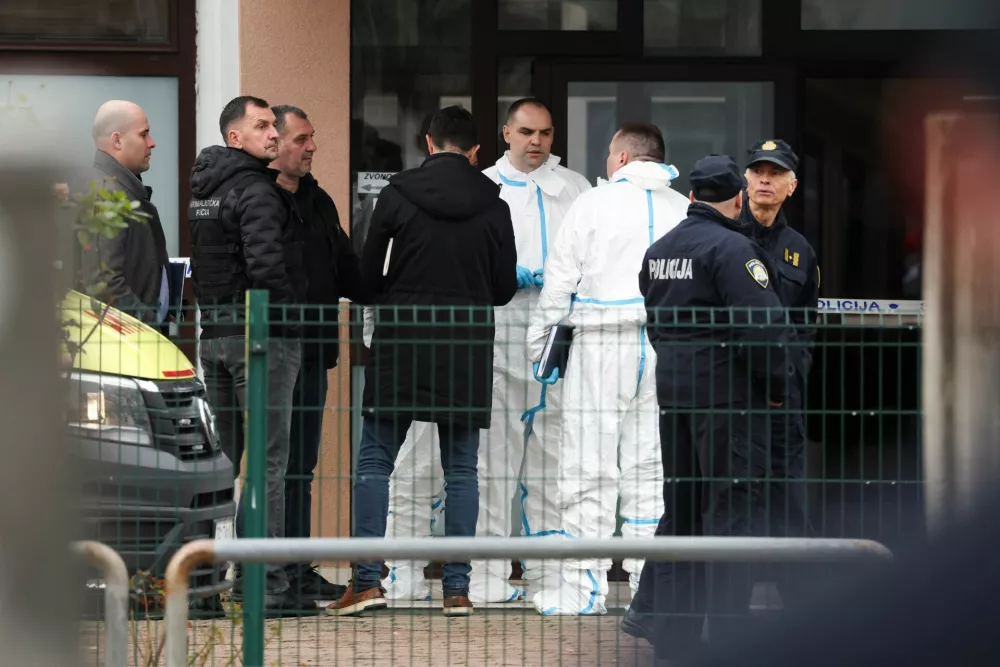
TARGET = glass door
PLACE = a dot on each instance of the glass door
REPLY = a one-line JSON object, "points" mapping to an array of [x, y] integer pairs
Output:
{"points": [[699, 109]]}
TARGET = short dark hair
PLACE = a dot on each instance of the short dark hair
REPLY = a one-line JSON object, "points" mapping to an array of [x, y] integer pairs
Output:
{"points": [[236, 110], [281, 111], [644, 141], [524, 102], [453, 126]]}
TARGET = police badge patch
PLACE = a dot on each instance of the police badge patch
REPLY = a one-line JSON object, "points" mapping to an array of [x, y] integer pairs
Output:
{"points": [[758, 272]]}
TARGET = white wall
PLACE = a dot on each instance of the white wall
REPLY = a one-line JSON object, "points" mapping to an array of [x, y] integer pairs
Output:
{"points": [[217, 73]]}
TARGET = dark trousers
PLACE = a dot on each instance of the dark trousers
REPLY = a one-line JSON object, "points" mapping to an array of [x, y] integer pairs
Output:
{"points": [[224, 363], [718, 469], [307, 429], [380, 443]]}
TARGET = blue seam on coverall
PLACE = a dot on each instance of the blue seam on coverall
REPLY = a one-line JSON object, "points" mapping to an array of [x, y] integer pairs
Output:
{"points": [[529, 415], [641, 522], [642, 329]]}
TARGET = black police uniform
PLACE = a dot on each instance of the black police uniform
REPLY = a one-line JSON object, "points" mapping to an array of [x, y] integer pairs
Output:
{"points": [[798, 287], [717, 324]]}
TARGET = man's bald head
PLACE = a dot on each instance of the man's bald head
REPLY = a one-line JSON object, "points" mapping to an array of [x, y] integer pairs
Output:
{"points": [[121, 130]]}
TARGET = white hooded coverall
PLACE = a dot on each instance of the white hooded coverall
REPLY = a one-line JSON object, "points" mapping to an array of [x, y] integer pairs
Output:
{"points": [[538, 202], [610, 446]]}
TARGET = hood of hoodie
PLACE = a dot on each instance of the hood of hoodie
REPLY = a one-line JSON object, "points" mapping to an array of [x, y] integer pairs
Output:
{"points": [[217, 163], [447, 187], [647, 175]]}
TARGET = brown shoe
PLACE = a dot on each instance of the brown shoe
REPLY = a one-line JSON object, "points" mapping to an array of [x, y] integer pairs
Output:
{"points": [[351, 603], [457, 605]]}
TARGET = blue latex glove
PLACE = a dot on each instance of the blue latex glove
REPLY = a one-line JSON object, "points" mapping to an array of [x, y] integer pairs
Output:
{"points": [[536, 278], [552, 379], [524, 277]]}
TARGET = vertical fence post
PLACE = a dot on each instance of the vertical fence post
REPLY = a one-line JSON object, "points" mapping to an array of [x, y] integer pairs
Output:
{"points": [[961, 365], [254, 494]]}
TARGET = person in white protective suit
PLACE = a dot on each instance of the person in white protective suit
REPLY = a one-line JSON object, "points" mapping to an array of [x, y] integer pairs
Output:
{"points": [[539, 191], [610, 445]]}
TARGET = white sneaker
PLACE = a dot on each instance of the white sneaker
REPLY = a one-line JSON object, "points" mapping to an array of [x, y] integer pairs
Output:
{"points": [[491, 589], [406, 584], [580, 594]]}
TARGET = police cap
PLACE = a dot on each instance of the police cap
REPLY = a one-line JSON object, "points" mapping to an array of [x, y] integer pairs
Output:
{"points": [[716, 178], [774, 151]]}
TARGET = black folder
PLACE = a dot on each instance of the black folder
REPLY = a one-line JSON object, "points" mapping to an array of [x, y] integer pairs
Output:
{"points": [[555, 354]]}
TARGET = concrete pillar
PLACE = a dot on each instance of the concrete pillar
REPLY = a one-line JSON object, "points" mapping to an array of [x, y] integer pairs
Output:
{"points": [[961, 285], [299, 52]]}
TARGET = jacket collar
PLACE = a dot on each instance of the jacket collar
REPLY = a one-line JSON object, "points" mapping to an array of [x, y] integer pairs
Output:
{"points": [[747, 218], [544, 177], [701, 210], [129, 181]]}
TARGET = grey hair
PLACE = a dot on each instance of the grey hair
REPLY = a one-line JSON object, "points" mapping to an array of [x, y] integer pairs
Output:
{"points": [[281, 111]]}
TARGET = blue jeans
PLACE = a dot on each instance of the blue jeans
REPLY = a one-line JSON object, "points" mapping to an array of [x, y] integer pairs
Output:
{"points": [[380, 443]]}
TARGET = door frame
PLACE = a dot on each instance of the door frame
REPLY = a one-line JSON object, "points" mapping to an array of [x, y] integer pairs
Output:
{"points": [[551, 79]]}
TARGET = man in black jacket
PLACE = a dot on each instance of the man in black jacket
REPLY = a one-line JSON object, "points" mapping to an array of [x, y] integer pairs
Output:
{"points": [[334, 271], [720, 362], [128, 271], [770, 176], [244, 235], [440, 255]]}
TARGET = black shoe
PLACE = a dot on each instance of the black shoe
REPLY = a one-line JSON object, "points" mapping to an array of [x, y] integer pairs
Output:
{"points": [[637, 625], [288, 604], [310, 585]]}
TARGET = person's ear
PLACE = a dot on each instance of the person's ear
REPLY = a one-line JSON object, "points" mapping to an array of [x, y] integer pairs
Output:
{"points": [[430, 145], [792, 185], [234, 139], [691, 197], [506, 135], [472, 155]]}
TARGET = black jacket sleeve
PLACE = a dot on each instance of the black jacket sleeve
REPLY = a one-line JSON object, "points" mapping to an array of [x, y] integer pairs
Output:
{"points": [[103, 265], [262, 215], [757, 315], [505, 271], [805, 317]]}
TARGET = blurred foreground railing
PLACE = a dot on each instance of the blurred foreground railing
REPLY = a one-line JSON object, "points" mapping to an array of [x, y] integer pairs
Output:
{"points": [[699, 549], [115, 575]]}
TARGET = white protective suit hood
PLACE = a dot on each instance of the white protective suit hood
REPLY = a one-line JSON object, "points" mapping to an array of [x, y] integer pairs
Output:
{"points": [[646, 175]]}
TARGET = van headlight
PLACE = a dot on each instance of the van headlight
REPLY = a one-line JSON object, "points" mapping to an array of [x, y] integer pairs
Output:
{"points": [[108, 407]]}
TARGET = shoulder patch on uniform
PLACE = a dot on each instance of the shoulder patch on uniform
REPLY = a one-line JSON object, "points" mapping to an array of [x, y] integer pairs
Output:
{"points": [[758, 272], [817, 277]]}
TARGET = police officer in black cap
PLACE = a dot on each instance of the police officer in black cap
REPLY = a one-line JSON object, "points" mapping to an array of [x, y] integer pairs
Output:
{"points": [[717, 324], [770, 176]]}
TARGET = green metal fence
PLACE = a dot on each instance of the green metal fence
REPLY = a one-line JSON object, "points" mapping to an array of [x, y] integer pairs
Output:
{"points": [[861, 475]]}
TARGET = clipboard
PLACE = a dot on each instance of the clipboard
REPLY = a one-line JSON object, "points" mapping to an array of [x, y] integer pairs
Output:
{"points": [[555, 354]]}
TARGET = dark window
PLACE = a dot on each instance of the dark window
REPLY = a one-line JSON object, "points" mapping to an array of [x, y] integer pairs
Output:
{"points": [[409, 58], [83, 21], [898, 14], [557, 14], [691, 27]]}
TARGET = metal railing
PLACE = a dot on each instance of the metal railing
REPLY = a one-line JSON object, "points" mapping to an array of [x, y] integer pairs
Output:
{"points": [[112, 568], [701, 549]]}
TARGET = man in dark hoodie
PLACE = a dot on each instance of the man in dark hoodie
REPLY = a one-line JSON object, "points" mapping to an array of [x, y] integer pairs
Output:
{"points": [[440, 255], [334, 271], [244, 235]]}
